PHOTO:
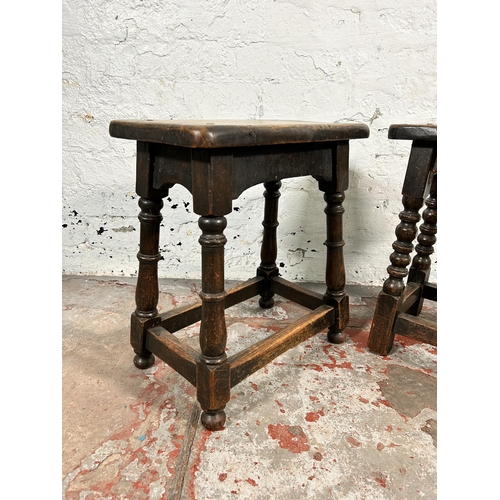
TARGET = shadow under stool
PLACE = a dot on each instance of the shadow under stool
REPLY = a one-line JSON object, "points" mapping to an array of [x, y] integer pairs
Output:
{"points": [[399, 304], [216, 161]]}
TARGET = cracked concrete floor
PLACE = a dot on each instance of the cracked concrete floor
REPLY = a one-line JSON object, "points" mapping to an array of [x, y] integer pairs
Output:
{"points": [[321, 421]]}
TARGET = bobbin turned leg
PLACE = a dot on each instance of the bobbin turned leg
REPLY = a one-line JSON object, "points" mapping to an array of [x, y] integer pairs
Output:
{"points": [[335, 295], [421, 265], [146, 295], [269, 248], [212, 372], [381, 335]]}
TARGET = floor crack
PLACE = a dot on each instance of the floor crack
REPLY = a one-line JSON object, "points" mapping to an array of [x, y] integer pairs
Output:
{"points": [[181, 468]]}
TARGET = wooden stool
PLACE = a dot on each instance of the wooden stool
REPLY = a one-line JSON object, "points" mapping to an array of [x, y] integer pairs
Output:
{"points": [[399, 305], [216, 162]]}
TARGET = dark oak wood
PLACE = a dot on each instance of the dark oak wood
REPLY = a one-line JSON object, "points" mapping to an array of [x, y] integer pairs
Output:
{"points": [[188, 315], [297, 293], [217, 161], [212, 392], [234, 133], [174, 352], [263, 352], [413, 132], [269, 248], [399, 303], [146, 295]]}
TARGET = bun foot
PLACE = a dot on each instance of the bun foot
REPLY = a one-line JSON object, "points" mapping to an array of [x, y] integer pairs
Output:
{"points": [[143, 362], [213, 420], [266, 302], [336, 337]]}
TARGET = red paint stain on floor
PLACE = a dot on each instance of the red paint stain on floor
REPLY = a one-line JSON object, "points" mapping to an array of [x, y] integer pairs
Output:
{"points": [[315, 367], [345, 364], [289, 437], [174, 454], [280, 405], [313, 416], [353, 442], [199, 447], [403, 341], [360, 338], [341, 353], [381, 401], [334, 364], [381, 479]]}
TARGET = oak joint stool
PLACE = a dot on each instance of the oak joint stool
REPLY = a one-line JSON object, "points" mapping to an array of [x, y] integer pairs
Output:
{"points": [[399, 304], [216, 162]]}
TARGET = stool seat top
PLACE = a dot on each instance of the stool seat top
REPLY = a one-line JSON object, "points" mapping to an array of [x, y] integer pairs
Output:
{"points": [[427, 132], [234, 133]]}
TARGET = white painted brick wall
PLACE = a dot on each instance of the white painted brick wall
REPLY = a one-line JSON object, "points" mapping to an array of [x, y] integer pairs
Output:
{"points": [[371, 61]]}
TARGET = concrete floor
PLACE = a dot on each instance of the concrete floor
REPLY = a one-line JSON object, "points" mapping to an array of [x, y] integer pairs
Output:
{"points": [[321, 421]]}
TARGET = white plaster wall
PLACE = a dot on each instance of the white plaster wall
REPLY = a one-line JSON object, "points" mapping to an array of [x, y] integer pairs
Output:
{"points": [[370, 61]]}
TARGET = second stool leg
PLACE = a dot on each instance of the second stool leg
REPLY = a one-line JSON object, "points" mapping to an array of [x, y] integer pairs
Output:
{"points": [[335, 295], [269, 248], [381, 335], [421, 264], [212, 371]]}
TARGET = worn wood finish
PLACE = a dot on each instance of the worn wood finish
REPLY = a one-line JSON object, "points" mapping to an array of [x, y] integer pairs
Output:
{"points": [[184, 316], [213, 333], [297, 293], [399, 303], [421, 263], [234, 133], [146, 295], [413, 132], [256, 165], [269, 247], [334, 196], [174, 352], [237, 168], [255, 357], [217, 161], [416, 328]]}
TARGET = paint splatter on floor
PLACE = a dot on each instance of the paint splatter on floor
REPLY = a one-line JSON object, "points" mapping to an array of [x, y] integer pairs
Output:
{"points": [[320, 421]]}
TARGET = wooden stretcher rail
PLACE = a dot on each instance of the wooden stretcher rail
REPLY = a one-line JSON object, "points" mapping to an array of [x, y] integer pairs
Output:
{"points": [[173, 351], [416, 328], [188, 315], [410, 295], [261, 353], [297, 293]]}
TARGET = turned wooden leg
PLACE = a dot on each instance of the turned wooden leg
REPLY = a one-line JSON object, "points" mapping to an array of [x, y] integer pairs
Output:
{"points": [[381, 335], [146, 296], [335, 295], [421, 264], [269, 248], [212, 375]]}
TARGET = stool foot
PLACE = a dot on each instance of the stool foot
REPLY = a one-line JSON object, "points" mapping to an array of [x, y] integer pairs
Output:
{"points": [[336, 337], [143, 362], [266, 302], [213, 420]]}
